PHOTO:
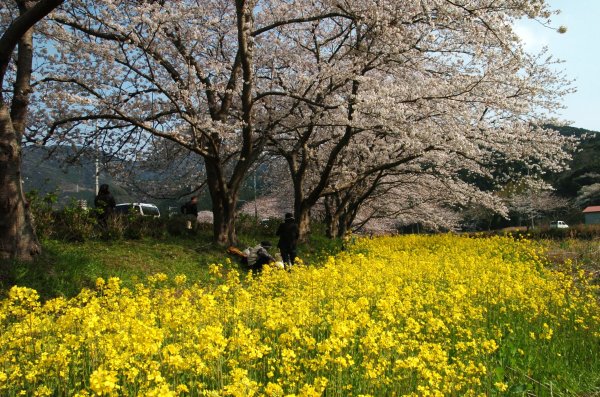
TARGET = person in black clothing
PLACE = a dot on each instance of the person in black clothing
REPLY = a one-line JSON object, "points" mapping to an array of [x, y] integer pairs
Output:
{"points": [[105, 204], [288, 238], [191, 207], [190, 210]]}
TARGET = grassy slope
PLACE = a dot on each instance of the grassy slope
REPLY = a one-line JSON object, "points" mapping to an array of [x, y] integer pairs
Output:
{"points": [[65, 268]]}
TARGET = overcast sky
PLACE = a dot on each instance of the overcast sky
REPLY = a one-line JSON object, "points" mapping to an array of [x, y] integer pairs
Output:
{"points": [[579, 47]]}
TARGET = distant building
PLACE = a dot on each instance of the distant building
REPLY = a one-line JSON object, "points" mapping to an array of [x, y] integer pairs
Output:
{"points": [[592, 215]]}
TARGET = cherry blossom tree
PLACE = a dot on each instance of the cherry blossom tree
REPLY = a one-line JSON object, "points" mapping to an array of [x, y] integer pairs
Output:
{"points": [[168, 171], [434, 85], [589, 195], [194, 74], [160, 70], [405, 196], [345, 92], [532, 204], [17, 20]]}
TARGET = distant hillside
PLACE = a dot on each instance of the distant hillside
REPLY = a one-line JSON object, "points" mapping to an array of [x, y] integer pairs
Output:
{"points": [[584, 168], [572, 131], [53, 170]]}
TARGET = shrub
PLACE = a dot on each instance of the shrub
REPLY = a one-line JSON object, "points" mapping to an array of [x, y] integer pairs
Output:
{"points": [[581, 231], [144, 226], [176, 225], [245, 223], [41, 210], [73, 223], [76, 224]]}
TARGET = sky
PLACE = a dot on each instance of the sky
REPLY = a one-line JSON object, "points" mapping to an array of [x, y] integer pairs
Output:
{"points": [[579, 48]]}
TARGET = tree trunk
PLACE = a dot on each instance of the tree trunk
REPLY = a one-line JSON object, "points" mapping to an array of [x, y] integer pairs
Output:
{"points": [[17, 237], [224, 227], [331, 217], [343, 225], [303, 218], [338, 224], [333, 226], [224, 215], [224, 193], [223, 205]]}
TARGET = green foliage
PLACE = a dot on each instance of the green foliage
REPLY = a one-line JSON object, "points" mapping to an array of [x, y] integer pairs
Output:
{"points": [[269, 226], [74, 223], [41, 207], [176, 225], [137, 227], [584, 168], [68, 265], [245, 223], [318, 247]]}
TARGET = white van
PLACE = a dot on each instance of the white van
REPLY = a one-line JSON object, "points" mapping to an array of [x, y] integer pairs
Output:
{"points": [[558, 225], [143, 209]]}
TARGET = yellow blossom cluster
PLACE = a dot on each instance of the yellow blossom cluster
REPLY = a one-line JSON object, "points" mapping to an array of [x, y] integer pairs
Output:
{"points": [[415, 316]]}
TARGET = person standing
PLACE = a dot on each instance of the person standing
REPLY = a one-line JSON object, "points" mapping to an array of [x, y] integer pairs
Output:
{"points": [[190, 210], [105, 204], [288, 238]]}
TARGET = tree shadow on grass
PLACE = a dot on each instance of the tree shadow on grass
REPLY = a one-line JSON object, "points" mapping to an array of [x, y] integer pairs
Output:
{"points": [[54, 273]]}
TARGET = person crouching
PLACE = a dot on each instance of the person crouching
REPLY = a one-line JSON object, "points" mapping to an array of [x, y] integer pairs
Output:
{"points": [[259, 256]]}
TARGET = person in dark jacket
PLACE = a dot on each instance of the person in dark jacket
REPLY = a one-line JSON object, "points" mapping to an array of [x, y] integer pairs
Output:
{"points": [[105, 204], [190, 210], [288, 238], [191, 207]]}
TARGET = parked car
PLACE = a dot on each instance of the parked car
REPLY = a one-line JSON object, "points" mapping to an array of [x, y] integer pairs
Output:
{"points": [[143, 209], [558, 225]]}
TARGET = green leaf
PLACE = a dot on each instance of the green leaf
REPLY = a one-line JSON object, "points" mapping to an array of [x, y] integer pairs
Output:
{"points": [[499, 373], [514, 389]]}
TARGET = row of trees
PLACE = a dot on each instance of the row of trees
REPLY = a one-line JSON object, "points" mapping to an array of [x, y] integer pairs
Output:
{"points": [[388, 106]]}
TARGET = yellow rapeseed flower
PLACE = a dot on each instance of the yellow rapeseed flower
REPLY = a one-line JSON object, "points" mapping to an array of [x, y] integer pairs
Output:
{"points": [[410, 315]]}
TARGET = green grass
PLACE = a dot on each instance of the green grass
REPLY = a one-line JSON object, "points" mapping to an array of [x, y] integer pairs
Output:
{"points": [[64, 268]]}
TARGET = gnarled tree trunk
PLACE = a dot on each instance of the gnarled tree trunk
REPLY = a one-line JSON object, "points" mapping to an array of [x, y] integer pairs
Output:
{"points": [[17, 237]]}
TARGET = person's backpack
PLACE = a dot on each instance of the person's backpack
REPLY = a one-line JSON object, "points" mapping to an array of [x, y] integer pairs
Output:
{"points": [[252, 254]]}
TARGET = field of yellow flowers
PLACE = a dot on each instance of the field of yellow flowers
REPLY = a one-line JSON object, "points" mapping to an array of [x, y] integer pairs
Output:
{"points": [[415, 315]]}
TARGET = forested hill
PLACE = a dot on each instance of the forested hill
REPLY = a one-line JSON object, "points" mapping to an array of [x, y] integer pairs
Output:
{"points": [[48, 171], [573, 131], [51, 169], [585, 166]]}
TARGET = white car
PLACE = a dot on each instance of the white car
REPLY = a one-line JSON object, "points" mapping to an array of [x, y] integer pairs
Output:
{"points": [[558, 225], [143, 209]]}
